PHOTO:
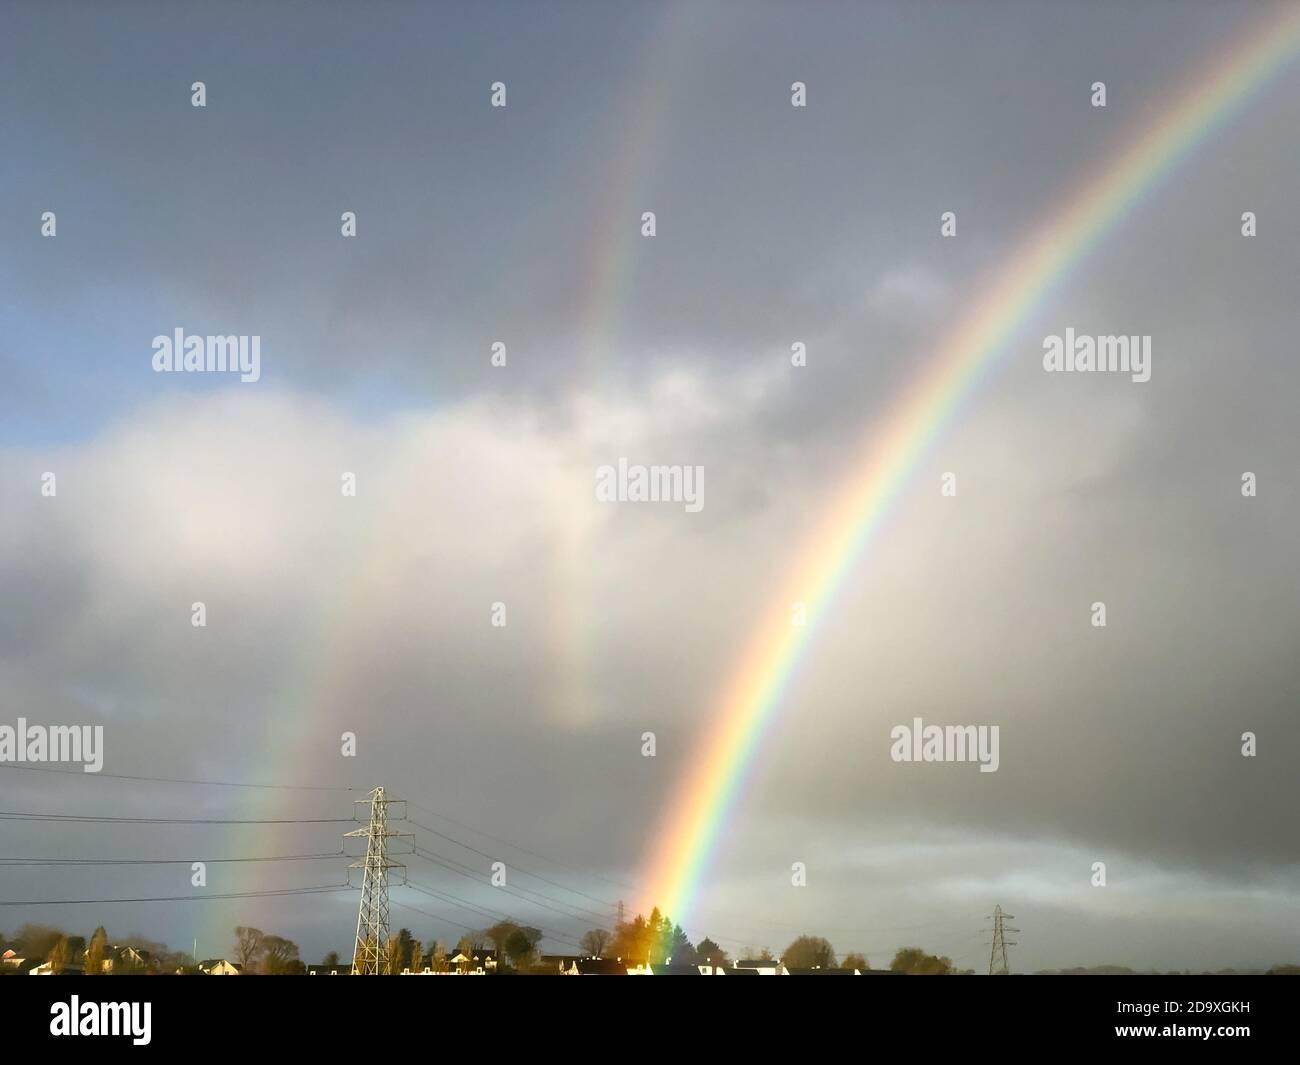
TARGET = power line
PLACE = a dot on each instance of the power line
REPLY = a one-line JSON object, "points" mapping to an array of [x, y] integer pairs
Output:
{"points": [[426, 828], [746, 919], [325, 787], [519, 847], [319, 890], [498, 915], [531, 896], [455, 900], [546, 932], [469, 873], [175, 780], [550, 933], [517, 868], [487, 911], [6, 815], [434, 916], [166, 861], [525, 894]]}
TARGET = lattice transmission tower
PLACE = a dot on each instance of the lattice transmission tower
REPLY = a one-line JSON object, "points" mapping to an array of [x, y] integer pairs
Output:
{"points": [[368, 953], [998, 958]]}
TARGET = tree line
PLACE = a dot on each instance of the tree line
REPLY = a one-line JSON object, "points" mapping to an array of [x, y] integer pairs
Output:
{"points": [[653, 940], [66, 951]]}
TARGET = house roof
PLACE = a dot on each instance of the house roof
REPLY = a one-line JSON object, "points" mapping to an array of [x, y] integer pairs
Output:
{"points": [[602, 967], [71, 968]]}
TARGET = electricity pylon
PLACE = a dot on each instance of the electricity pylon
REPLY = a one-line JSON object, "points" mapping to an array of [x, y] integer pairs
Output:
{"points": [[998, 958], [372, 917]]}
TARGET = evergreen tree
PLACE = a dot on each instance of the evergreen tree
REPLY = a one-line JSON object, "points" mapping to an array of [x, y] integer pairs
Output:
{"points": [[97, 952]]}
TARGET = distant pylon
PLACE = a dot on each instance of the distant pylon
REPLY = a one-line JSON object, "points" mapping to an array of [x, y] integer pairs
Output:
{"points": [[998, 958], [372, 918]]}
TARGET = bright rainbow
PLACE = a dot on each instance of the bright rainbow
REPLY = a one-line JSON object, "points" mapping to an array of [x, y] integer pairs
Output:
{"points": [[750, 699]]}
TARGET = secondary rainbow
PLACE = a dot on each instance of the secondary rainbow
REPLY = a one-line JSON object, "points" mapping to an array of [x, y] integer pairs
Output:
{"points": [[751, 697]]}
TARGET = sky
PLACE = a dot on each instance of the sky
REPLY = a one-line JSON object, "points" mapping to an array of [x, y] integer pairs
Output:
{"points": [[372, 614]]}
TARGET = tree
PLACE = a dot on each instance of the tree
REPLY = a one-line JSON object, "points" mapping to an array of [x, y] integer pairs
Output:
{"points": [[58, 958], [809, 952], [497, 935], [402, 947], [519, 947], [279, 955], [248, 947], [708, 952], [390, 963], [501, 934], [652, 939], [917, 962], [97, 952], [855, 961], [679, 948], [37, 940], [630, 940], [657, 932], [595, 942], [331, 960]]}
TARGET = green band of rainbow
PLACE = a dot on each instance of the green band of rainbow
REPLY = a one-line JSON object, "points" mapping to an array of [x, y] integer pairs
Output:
{"points": [[690, 833]]}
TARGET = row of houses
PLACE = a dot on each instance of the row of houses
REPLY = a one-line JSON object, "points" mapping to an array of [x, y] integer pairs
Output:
{"points": [[134, 960], [581, 965], [115, 960], [477, 963], [576, 966], [484, 963]]}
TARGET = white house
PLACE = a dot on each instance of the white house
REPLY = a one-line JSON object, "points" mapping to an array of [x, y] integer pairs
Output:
{"points": [[480, 963]]}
